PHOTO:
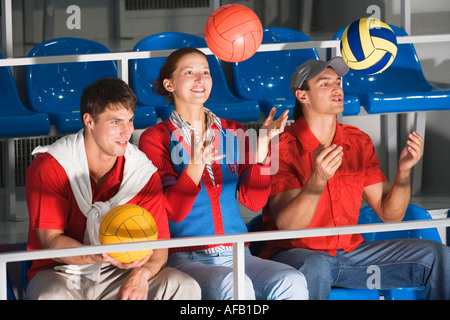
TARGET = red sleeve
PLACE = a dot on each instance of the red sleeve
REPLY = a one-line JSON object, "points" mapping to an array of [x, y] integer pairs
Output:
{"points": [[152, 199], [179, 190], [47, 194]]}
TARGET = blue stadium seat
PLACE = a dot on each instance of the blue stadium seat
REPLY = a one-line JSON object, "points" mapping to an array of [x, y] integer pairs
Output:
{"points": [[265, 76], [143, 73], [413, 212], [56, 88], [15, 119], [400, 88], [353, 294], [255, 225]]}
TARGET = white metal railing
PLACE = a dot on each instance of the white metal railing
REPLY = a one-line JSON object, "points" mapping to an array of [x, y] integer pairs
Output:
{"points": [[238, 241]]}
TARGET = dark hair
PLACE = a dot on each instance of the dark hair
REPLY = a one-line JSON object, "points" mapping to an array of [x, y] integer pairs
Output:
{"points": [[111, 93], [169, 68], [298, 112]]}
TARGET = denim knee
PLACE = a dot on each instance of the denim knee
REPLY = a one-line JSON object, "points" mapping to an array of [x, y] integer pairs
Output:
{"points": [[292, 286], [221, 286], [315, 268]]}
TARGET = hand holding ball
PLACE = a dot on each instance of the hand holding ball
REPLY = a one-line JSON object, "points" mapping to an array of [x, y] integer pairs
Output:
{"points": [[128, 223], [233, 33]]}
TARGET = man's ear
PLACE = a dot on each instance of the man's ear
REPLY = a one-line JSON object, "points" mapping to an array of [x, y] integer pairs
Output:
{"points": [[88, 121], [301, 95]]}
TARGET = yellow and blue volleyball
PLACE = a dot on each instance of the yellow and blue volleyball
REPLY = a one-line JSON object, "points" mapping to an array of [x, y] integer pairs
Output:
{"points": [[128, 223], [368, 45]]}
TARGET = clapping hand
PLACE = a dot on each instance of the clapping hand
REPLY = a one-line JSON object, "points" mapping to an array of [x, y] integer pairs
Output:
{"points": [[203, 154], [269, 129]]}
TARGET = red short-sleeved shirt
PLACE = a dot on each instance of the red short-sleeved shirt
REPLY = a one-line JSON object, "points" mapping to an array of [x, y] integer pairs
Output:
{"points": [[341, 198], [52, 205]]}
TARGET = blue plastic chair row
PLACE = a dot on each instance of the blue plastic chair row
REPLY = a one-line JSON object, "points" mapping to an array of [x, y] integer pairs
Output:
{"points": [[143, 73], [266, 75], [56, 88], [15, 119], [259, 83], [367, 215]]}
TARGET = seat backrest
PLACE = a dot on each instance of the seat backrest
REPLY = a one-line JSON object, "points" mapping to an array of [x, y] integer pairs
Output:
{"points": [[413, 212], [267, 74], [144, 72], [58, 87], [10, 103], [403, 75]]}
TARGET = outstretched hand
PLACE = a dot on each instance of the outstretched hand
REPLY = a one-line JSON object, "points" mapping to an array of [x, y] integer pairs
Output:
{"points": [[270, 129], [411, 153]]}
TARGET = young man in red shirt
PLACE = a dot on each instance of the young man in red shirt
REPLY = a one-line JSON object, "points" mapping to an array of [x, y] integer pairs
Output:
{"points": [[325, 169], [73, 183]]}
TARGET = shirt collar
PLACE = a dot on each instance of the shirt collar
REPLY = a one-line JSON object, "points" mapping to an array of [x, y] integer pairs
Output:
{"points": [[112, 182], [210, 118], [309, 141]]}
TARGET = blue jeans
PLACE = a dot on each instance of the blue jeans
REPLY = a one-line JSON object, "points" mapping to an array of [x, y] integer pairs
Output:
{"points": [[379, 264], [264, 279]]}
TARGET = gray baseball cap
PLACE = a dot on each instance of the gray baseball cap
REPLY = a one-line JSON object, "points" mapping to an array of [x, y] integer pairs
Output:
{"points": [[312, 68]]}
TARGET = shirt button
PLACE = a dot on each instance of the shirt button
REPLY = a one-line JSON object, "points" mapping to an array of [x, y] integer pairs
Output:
{"points": [[338, 218]]}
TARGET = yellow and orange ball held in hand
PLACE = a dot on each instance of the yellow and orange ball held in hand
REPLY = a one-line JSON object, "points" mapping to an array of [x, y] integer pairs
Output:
{"points": [[233, 33], [368, 45], [128, 223]]}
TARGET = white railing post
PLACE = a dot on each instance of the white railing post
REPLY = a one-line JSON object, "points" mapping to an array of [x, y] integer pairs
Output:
{"points": [[7, 36], [239, 270], [3, 281], [214, 5], [122, 69], [405, 8]]}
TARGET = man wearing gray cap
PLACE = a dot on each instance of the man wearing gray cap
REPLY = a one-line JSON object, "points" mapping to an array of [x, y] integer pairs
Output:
{"points": [[325, 170]]}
